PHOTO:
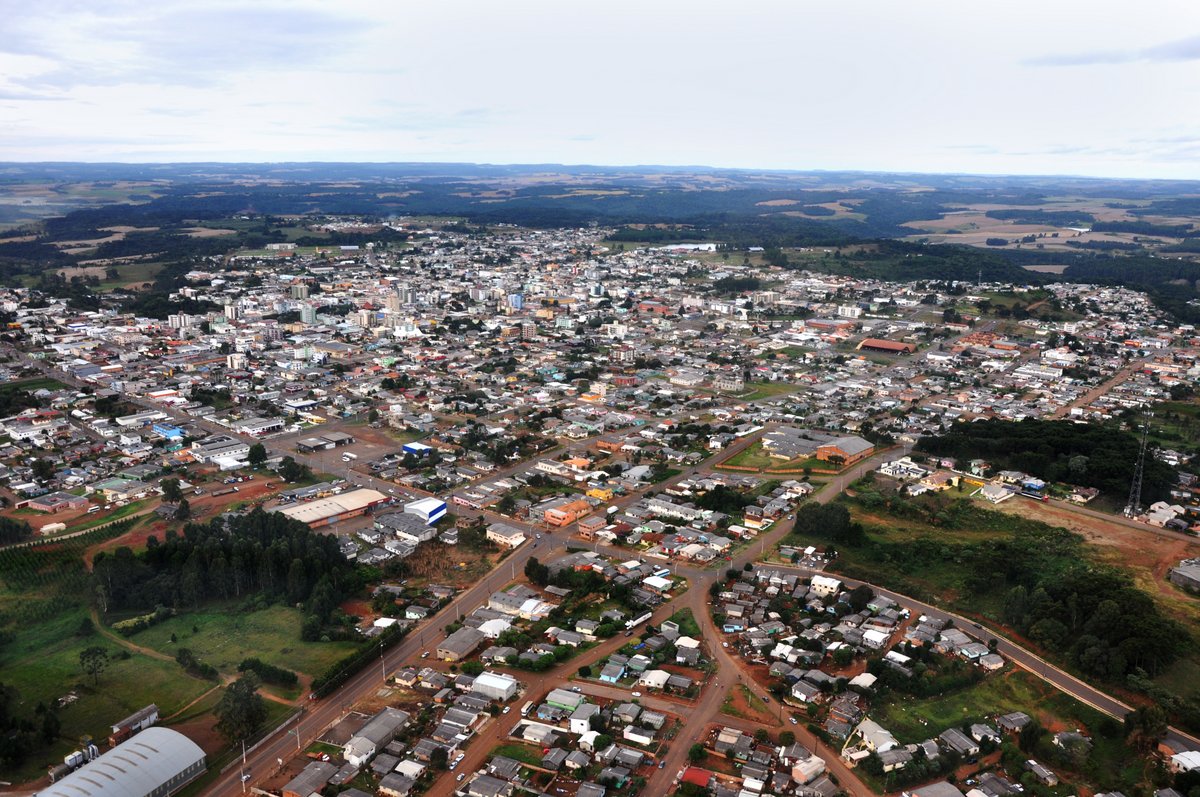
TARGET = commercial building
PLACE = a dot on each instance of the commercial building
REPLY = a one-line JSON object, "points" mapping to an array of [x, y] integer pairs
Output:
{"points": [[156, 763], [508, 536]]}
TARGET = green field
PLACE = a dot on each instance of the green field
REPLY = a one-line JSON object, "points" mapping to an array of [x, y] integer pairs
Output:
{"points": [[519, 752], [42, 664], [762, 390], [224, 638]]}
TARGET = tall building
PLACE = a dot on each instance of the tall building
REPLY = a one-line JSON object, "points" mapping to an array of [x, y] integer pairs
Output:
{"points": [[299, 291], [308, 314]]}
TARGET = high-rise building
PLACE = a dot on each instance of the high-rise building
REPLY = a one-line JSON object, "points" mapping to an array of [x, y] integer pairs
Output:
{"points": [[308, 314]]}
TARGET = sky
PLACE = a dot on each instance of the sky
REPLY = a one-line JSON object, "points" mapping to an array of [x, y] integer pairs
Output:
{"points": [[1099, 88]]}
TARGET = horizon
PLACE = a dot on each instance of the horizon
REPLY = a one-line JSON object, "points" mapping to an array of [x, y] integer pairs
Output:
{"points": [[633, 167]]}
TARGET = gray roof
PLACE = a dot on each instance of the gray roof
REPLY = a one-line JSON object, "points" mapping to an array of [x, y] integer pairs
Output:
{"points": [[134, 768]]}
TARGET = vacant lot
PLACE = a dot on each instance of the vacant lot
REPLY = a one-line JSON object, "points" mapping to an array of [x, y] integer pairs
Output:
{"points": [[223, 638]]}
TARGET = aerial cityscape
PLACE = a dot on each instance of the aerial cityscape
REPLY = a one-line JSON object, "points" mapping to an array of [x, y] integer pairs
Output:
{"points": [[429, 448]]}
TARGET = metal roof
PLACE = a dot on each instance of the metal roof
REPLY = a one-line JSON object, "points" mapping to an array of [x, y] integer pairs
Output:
{"points": [[134, 768]]}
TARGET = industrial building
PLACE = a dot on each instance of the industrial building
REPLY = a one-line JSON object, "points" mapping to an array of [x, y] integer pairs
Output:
{"points": [[327, 511], [155, 763]]}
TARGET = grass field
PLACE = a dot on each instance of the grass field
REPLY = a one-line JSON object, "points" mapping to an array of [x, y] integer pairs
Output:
{"points": [[223, 638], [762, 390], [754, 457], [42, 664], [519, 752], [687, 623]]}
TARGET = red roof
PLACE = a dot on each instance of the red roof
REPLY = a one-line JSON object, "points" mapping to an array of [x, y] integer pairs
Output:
{"points": [[696, 776]]}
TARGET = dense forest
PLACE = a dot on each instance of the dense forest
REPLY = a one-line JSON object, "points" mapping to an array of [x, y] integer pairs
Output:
{"points": [[1058, 451], [261, 553]]}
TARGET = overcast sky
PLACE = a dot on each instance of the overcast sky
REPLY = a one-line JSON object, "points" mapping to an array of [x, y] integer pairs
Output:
{"points": [[1049, 87]]}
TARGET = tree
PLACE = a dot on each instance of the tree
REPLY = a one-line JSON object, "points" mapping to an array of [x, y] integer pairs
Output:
{"points": [[257, 455], [42, 468], [241, 709], [438, 758], [697, 753], [171, 491], [93, 660], [787, 738], [184, 510], [760, 735], [1145, 726], [292, 471]]}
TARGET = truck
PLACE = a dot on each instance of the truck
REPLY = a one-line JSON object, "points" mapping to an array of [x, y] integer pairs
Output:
{"points": [[635, 622], [349, 457]]}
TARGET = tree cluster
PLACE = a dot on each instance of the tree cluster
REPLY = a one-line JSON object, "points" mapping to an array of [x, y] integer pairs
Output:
{"points": [[1058, 451]]}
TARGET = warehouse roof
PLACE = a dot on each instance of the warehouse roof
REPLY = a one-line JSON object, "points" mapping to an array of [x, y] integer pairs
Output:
{"points": [[351, 501], [134, 768]]}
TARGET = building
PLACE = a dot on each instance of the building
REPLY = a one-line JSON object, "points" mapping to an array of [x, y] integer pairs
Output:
{"points": [[1186, 574], [327, 511], [155, 763], [566, 513], [495, 686], [886, 346], [376, 734], [311, 779], [135, 722], [430, 510], [460, 644], [508, 536]]}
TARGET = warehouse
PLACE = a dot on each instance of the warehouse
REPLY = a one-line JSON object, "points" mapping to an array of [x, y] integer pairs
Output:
{"points": [[495, 686], [430, 510], [327, 511], [155, 763], [460, 644]]}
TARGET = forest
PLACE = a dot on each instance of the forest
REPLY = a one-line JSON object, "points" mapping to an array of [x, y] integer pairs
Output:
{"points": [[1058, 451], [260, 553]]}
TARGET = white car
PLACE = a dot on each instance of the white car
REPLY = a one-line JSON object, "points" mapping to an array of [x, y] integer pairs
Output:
{"points": [[460, 777], [724, 644], [506, 709], [636, 694]]}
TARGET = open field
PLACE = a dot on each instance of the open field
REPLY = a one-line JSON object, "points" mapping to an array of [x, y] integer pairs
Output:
{"points": [[223, 638], [762, 390], [42, 664]]}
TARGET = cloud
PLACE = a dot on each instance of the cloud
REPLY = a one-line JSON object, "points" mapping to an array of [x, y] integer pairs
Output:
{"points": [[29, 96], [173, 44], [1170, 52]]}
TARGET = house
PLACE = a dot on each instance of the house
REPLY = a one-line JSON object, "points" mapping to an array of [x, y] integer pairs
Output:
{"points": [[1044, 775], [959, 742], [376, 734]]}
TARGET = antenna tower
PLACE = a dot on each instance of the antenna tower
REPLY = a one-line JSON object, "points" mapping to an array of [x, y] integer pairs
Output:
{"points": [[1135, 489]]}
